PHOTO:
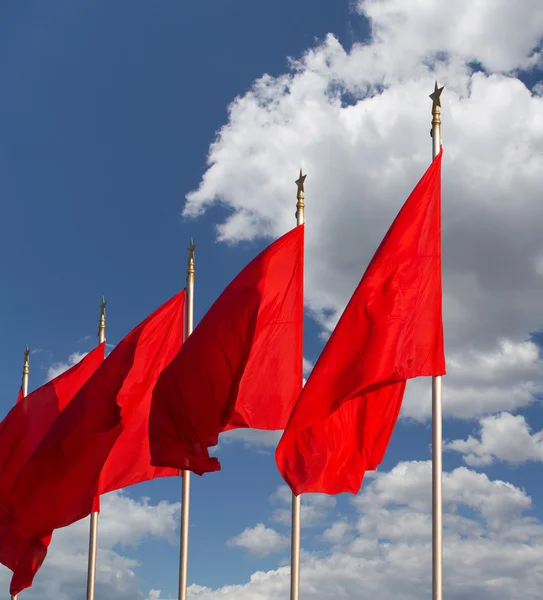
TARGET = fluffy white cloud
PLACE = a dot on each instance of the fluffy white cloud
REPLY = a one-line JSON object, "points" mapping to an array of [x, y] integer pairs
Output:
{"points": [[315, 508], [499, 35], [259, 540], [358, 121], [58, 368], [486, 551], [503, 437], [481, 382], [124, 522], [337, 533]]}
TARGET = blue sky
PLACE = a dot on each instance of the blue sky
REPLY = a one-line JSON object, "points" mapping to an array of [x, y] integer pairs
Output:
{"points": [[108, 110]]}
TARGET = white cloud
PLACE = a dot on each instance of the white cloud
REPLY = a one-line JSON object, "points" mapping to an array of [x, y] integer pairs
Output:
{"points": [[337, 533], [123, 523], [503, 437], [358, 121], [308, 366], [58, 368], [259, 541], [315, 508], [408, 486], [486, 553], [487, 31], [504, 377]]}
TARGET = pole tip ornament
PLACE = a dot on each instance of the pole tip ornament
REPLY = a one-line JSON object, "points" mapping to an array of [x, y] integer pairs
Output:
{"points": [[436, 98], [26, 368], [103, 307], [191, 250], [436, 107], [102, 322], [300, 183], [300, 195]]}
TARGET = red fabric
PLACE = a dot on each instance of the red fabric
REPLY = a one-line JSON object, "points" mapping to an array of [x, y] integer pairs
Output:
{"points": [[390, 331], [22, 431], [20, 396], [242, 365], [100, 443]]}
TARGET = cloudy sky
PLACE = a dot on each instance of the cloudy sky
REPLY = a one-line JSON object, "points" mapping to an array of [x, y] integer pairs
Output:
{"points": [[127, 127]]}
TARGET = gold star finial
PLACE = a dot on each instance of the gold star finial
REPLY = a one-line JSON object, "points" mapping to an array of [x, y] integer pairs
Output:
{"points": [[27, 354], [300, 183], [300, 206], [436, 97], [103, 307]]}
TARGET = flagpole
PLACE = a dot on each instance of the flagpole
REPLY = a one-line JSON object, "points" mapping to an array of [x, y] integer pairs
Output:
{"points": [[26, 373], [296, 500], [93, 535], [185, 504], [437, 417]]}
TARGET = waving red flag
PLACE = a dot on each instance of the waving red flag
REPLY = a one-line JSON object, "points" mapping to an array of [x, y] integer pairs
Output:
{"points": [[242, 365], [99, 443], [20, 434], [390, 331]]}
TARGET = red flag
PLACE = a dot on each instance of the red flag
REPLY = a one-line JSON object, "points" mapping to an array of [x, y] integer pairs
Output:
{"points": [[390, 331], [22, 430], [99, 443], [242, 365], [20, 396]]}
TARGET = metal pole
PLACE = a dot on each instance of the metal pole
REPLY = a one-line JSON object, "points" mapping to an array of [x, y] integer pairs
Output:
{"points": [[93, 534], [26, 373], [296, 500], [185, 499], [437, 418]]}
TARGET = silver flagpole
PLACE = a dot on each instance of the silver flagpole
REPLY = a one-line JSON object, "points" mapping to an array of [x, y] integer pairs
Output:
{"points": [[26, 373], [296, 500], [93, 535], [185, 504], [437, 417]]}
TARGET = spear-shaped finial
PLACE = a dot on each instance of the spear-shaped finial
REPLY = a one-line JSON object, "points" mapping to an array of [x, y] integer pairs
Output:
{"points": [[191, 250], [300, 205], [102, 322]]}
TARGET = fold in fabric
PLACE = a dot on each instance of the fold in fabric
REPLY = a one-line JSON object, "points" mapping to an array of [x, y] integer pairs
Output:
{"points": [[21, 432], [390, 331], [99, 443], [242, 365]]}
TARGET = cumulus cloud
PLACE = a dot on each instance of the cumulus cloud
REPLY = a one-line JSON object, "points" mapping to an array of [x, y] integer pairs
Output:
{"points": [[489, 544], [358, 121], [259, 541], [315, 508], [480, 382], [124, 523], [502, 437], [58, 368], [337, 533]]}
